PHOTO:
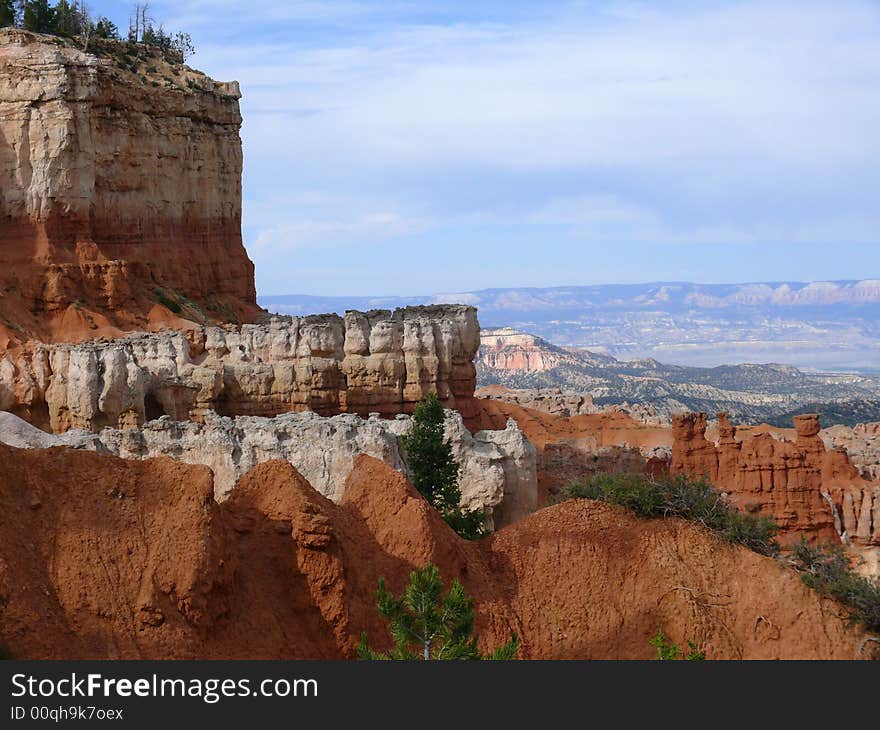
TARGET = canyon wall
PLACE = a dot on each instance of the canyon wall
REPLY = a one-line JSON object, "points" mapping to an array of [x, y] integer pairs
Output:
{"points": [[121, 182], [809, 491], [379, 361]]}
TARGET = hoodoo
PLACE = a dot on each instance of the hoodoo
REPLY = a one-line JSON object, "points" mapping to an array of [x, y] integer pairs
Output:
{"points": [[810, 492]]}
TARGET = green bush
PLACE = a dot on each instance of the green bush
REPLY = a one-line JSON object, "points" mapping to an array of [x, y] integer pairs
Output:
{"points": [[827, 570], [167, 302], [667, 651], [691, 499]]}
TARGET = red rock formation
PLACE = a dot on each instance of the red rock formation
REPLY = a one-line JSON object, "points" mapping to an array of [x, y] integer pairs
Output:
{"points": [[121, 192], [796, 482], [278, 571]]}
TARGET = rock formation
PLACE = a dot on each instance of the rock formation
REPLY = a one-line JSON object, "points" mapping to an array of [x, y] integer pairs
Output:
{"points": [[508, 349], [121, 186], [547, 400], [379, 361], [568, 404], [809, 491], [498, 470], [279, 572], [861, 443]]}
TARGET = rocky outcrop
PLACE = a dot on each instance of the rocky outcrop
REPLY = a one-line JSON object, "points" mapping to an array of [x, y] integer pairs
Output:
{"points": [[861, 443], [121, 183], [809, 491], [547, 400], [568, 404], [279, 572], [498, 474], [377, 361], [498, 468]]}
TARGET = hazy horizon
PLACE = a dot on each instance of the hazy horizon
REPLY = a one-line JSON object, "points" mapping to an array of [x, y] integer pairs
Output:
{"points": [[827, 326], [589, 284]]}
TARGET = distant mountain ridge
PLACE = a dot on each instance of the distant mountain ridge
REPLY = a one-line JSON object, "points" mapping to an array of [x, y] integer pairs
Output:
{"points": [[750, 393], [833, 325]]}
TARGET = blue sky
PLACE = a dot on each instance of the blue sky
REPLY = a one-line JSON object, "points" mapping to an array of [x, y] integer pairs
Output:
{"points": [[417, 147]]}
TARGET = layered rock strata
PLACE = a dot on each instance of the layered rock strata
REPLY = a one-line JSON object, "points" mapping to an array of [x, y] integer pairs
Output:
{"points": [[379, 361], [498, 468], [809, 491], [121, 181]]}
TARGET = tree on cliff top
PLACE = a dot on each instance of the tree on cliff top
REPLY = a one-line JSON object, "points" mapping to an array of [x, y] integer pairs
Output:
{"points": [[7, 13], [39, 16], [434, 470], [425, 624]]}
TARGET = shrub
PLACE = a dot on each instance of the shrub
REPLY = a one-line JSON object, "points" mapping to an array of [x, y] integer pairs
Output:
{"points": [[425, 624], [827, 570], [667, 651], [691, 499], [167, 302]]}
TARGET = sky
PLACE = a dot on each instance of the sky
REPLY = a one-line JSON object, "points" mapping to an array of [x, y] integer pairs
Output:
{"points": [[423, 146]]}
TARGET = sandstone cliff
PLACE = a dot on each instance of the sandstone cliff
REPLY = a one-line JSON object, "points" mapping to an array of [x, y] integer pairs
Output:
{"points": [[809, 491], [280, 572], [379, 361], [121, 192]]}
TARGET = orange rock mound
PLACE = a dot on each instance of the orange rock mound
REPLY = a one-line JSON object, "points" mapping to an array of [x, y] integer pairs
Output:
{"points": [[109, 558]]}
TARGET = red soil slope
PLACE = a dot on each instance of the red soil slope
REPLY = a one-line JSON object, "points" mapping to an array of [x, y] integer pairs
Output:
{"points": [[109, 558]]}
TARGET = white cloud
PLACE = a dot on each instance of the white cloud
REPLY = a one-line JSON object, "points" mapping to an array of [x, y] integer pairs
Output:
{"points": [[691, 123]]}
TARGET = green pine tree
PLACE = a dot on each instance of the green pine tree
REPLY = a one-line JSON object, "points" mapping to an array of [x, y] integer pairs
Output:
{"points": [[67, 19], [425, 624], [7, 13], [38, 16], [434, 470], [106, 28]]}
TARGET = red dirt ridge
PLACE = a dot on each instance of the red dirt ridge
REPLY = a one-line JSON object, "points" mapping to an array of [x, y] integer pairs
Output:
{"points": [[106, 558]]}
